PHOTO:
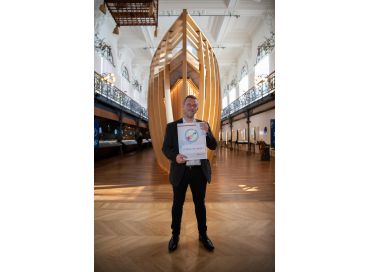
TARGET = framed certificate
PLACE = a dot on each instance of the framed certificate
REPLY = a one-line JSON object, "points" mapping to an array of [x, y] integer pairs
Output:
{"points": [[192, 141]]}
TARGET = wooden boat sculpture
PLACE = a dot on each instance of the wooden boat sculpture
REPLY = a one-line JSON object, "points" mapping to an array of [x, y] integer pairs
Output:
{"points": [[183, 64]]}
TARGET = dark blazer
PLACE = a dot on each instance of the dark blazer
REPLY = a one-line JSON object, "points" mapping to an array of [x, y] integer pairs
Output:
{"points": [[170, 149]]}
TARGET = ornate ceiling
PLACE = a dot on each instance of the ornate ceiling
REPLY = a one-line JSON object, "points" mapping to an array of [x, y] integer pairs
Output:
{"points": [[229, 25]]}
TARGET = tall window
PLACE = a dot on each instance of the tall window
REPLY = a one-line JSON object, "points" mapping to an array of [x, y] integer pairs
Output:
{"points": [[261, 70], [243, 84], [232, 94], [224, 102]]}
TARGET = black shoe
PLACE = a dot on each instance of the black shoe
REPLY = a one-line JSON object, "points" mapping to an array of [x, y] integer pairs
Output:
{"points": [[206, 242], [172, 244]]}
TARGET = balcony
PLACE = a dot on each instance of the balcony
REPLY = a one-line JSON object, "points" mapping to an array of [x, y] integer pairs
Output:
{"points": [[113, 94], [263, 88]]}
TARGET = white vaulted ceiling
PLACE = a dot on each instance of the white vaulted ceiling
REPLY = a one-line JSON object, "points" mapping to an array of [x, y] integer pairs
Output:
{"points": [[234, 34]]}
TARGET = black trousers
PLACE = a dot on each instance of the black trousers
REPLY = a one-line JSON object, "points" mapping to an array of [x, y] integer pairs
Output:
{"points": [[194, 177]]}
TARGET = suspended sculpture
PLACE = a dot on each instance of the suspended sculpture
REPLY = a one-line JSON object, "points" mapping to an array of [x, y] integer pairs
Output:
{"points": [[183, 64]]}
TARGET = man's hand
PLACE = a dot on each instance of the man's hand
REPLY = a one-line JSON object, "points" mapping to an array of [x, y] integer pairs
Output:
{"points": [[180, 158], [204, 126]]}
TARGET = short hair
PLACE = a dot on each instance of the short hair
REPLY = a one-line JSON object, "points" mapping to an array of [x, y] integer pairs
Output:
{"points": [[190, 96]]}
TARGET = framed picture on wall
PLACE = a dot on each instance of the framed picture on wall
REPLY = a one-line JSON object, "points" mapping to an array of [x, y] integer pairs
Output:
{"points": [[252, 135]]}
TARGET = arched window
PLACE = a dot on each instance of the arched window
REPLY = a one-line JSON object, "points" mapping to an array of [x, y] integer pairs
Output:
{"points": [[261, 70], [244, 80], [244, 84], [224, 102], [232, 94]]}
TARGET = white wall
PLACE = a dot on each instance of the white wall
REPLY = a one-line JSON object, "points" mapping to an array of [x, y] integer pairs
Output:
{"points": [[97, 63], [249, 55], [225, 129], [104, 25], [240, 125], [258, 122], [272, 61], [260, 35]]}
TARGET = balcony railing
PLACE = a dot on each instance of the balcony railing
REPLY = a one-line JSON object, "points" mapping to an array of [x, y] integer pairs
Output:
{"points": [[263, 88], [116, 95]]}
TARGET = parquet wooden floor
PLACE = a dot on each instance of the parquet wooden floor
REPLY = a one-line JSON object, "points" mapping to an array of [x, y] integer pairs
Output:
{"points": [[133, 201]]}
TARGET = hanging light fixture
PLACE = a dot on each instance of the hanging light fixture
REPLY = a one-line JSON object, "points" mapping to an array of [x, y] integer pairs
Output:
{"points": [[103, 8], [108, 78], [156, 31], [116, 30]]}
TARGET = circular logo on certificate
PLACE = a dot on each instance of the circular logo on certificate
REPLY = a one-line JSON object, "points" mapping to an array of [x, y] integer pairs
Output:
{"points": [[191, 135]]}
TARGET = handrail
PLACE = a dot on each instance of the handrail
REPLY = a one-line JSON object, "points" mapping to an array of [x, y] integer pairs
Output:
{"points": [[116, 95], [264, 87]]}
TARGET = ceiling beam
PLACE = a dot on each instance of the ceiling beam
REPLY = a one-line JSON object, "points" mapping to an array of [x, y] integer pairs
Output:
{"points": [[225, 21]]}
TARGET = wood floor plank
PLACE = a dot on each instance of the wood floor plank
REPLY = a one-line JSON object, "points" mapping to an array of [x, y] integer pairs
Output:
{"points": [[133, 201]]}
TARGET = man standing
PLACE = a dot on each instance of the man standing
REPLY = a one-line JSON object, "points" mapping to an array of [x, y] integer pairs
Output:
{"points": [[195, 173]]}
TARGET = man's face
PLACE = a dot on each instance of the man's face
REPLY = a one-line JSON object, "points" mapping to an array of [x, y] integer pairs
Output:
{"points": [[190, 107]]}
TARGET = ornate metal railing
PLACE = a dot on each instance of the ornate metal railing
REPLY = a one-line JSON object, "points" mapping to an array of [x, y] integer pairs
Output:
{"points": [[263, 88], [116, 95]]}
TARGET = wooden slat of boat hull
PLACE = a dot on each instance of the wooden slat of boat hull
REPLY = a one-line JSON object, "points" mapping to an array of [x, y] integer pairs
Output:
{"points": [[209, 89]]}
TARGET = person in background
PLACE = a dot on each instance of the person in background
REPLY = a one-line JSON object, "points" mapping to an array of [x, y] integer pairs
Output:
{"points": [[139, 138]]}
